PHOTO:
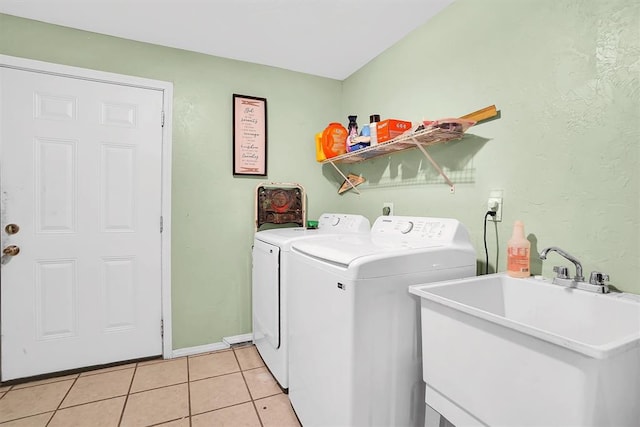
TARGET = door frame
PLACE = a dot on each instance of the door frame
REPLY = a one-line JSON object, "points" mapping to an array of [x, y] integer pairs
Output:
{"points": [[167, 99]]}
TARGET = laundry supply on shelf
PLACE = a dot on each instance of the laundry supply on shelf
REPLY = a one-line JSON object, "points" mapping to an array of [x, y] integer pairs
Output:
{"points": [[352, 133], [334, 140], [319, 151], [391, 128], [373, 131], [453, 124]]}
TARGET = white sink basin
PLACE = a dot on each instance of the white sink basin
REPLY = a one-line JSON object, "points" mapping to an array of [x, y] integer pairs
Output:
{"points": [[505, 351]]}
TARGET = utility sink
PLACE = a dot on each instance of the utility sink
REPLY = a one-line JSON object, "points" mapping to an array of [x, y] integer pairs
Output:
{"points": [[525, 352]]}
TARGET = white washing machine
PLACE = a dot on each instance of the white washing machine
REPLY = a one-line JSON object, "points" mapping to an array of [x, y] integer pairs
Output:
{"points": [[269, 284], [355, 355]]}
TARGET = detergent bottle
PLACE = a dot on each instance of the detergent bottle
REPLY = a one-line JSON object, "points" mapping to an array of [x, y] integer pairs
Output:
{"points": [[518, 252], [334, 140], [320, 157]]}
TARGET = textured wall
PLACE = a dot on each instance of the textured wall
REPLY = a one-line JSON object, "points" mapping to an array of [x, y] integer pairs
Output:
{"points": [[565, 75], [212, 211]]}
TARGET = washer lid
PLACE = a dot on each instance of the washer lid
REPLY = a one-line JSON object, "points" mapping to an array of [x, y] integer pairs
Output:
{"points": [[344, 250], [329, 223], [284, 236]]}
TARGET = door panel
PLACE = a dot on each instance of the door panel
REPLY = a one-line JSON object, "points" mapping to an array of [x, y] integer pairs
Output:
{"points": [[56, 299], [118, 182], [118, 290], [55, 185], [80, 174]]}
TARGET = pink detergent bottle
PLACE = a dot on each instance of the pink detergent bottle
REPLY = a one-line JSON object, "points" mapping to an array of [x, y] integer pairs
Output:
{"points": [[518, 252]]}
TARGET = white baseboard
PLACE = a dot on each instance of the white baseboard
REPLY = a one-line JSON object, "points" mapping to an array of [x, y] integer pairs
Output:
{"points": [[226, 343], [190, 351], [236, 339]]}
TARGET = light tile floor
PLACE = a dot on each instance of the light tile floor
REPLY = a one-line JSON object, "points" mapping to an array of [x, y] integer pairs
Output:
{"points": [[224, 388]]}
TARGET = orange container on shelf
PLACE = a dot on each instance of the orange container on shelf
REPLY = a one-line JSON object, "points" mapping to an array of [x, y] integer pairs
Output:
{"points": [[334, 140], [391, 128]]}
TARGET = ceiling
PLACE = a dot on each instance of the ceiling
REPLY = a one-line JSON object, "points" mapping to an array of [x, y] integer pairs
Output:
{"points": [[329, 38]]}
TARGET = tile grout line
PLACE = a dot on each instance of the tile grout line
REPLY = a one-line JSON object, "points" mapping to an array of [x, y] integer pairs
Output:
{"points": [[106, 370], [154, 361], [38, 383], [259, 367], [222, 407], [189, 390], [154, 388], [56, 379], [55, 411], [28, 416], [11, 387], [215, 376], [126, 398], [89, 402], [253, 402], [4, 393], [277, 394], [161, 423]]}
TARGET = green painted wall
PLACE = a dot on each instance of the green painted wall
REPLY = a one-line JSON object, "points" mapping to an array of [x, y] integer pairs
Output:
{"points": [[213, 212], [565, 75]]}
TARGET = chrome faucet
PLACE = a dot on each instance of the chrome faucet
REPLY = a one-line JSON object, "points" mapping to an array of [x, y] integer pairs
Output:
{"points": [[578, 277], [596, 281]]}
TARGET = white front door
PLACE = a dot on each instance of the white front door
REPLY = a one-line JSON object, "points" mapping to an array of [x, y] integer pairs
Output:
{"points": [[81, 179]]}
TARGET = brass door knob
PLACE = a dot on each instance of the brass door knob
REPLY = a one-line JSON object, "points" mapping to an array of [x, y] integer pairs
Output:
{"points": [[12, 228], [11, 250]]}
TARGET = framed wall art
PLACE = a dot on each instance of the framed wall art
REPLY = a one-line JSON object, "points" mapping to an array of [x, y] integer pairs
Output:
{"points": [[249, 135]]}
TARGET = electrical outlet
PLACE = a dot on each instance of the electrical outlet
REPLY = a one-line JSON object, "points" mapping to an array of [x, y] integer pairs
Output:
{"points": [[494, 203], [387, 208]]}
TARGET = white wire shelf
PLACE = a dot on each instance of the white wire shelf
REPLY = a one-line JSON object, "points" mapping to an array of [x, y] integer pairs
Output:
{"points": [[420, 139]]}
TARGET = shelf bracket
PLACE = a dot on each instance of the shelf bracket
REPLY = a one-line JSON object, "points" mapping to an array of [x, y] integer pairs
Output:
{"points": [[452, 187], [345, 178]]}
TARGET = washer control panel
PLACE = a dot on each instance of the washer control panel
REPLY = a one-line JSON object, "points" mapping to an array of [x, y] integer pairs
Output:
{"points": [[416, 229], [343, 222]]}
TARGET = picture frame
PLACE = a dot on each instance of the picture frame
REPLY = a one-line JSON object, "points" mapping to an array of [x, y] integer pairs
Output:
{"points": [[249, 135]]}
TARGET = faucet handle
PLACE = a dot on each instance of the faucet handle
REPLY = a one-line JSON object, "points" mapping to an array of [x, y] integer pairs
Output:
{"points": [[597, 278], [563, 272]]}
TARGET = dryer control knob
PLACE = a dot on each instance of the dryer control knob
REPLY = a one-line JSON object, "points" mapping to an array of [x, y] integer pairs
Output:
{"points": [[405, 228], [335, 221]]}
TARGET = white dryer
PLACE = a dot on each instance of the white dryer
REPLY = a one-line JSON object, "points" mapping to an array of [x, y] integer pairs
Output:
{"points": [[354, 328], [270, 283]]}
